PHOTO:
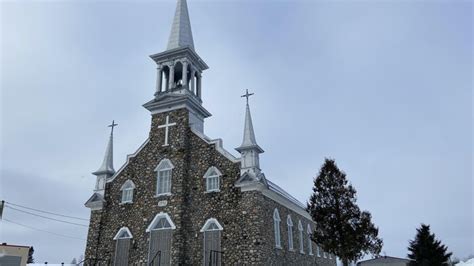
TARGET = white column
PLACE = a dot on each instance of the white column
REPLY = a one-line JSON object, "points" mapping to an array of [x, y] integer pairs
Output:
{"points": [[185, 74], [171, 78], [199, 85], [159, 79], [193, 74]]}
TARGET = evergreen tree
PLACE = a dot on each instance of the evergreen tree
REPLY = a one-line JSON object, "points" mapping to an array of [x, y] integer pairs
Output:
{"points": [[30, 255], [425, 250], [341, 228]]}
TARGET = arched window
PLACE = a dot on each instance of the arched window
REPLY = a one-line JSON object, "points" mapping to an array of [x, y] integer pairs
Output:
{"points": [[127, 191], [122, 246], [289, 223], [300, 236], [161, 234], [163, 180], [310, 243], [212, 177], [212, 242], [276, 228]]}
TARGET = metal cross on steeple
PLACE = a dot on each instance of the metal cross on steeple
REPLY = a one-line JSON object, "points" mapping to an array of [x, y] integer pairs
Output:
{"points": [[112, 126], [247, 95]]}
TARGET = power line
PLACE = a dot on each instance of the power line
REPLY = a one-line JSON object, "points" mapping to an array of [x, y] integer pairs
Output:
{"points": [[45, 217], [37, 229], [52, 213]]}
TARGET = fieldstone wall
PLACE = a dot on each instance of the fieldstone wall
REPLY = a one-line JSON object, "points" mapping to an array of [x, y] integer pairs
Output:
{"points": [[247, 217]]}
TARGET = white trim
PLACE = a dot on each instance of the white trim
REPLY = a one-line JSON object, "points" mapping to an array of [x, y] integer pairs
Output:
{"points": [[163, 194], [120, 231], [286, 203], [157, 218], [218, 145], [127, 161], [209, 222], [276, 228], [309, 232], [210, 169], [163, 161], [289, 227], [217, 175], [301, 236], [127, 183]]}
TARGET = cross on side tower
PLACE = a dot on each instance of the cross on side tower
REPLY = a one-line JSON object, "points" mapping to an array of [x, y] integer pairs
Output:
{"points": [[112, 126], [247, 95]]}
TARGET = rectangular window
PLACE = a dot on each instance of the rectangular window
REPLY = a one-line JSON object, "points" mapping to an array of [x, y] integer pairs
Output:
{"points": [[290, 237], [276, 225], [301, 241], [318, 251], [127, 195], [212, 183], [164, 182]]}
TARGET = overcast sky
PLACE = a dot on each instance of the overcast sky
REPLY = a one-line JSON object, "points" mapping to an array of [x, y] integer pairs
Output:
{"points": [[383, 87]]}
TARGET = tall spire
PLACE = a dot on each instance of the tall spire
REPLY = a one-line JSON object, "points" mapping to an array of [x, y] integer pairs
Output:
{"points": [[249, 149], [181, 34], [249, 140], [107, 167]]}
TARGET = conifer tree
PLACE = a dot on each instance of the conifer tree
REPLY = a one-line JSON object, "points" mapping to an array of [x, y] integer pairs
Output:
{"points": [[30, 255], [341, 228], [426, 250]]}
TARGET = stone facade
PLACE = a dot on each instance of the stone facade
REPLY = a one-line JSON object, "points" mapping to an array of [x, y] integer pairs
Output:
{"points": [[246, 217], [241, 210]]}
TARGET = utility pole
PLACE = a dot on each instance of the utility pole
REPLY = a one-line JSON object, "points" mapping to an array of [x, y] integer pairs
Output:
{"points": [[1, 208]]}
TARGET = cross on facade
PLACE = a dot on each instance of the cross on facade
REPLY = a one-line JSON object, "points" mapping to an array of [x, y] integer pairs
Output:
{"points": [[247, 95], [166, 125], [112, 126]]}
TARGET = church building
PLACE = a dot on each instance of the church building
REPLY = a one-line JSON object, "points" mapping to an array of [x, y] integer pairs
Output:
{"points": [[181, 198]]}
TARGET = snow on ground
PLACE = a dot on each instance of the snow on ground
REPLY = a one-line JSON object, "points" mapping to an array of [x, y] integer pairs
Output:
{"points": [[466, 263]]}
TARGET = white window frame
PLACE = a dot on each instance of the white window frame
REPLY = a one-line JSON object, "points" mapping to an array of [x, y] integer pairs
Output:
{"points": [[127, 191], [318, 250], [165, 166], [310, 243], [301, 239], [289, 224], [157, 218], [212, 173], [120, 231], [276, 228], [208, 223]]}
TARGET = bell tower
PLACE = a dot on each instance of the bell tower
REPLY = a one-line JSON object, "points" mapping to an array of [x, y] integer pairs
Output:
{"points": [[179, 73]]}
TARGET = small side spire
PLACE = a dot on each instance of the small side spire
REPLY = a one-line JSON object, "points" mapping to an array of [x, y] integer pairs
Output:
{"points": [[249, 149], [181, 34], [107, 167]]}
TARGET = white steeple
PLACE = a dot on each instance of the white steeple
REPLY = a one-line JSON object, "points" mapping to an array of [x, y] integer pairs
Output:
{"points": [[106, 170], [249, 148], [181, 34]]}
